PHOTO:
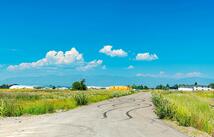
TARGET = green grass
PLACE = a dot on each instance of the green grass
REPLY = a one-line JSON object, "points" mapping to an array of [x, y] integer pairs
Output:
{"points": [[35, 102], [188, 109]]}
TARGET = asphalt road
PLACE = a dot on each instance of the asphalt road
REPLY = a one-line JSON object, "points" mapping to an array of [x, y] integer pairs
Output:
{"points": [[130, 116]]}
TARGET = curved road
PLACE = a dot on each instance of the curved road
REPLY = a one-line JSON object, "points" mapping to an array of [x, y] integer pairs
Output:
{"points": [[130, 116]]}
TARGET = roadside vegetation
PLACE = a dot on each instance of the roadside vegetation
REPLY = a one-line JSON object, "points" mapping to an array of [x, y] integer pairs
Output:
{"points": [[187, 108], [21, 102]]}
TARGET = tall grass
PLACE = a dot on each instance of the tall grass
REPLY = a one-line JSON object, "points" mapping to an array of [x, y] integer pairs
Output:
{"points": [[10, 108], [35, 102], [188, 109], [81, 99]]}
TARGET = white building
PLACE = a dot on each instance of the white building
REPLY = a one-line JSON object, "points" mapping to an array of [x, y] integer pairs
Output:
{"points": [[62, 88], [21, 87], [185, 88], [201, 88], [194, 88], [95, 87]]}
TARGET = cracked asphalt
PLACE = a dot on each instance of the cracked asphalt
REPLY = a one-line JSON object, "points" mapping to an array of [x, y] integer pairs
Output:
{"points": [[129, 116]]}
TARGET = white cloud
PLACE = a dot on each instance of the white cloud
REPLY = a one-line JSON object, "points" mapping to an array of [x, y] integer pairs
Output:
{"points": [[188, 75], [159, 75], [146, 56], [130, 67], [113, 52], [176, 75], [90, 65], [56, 58]]}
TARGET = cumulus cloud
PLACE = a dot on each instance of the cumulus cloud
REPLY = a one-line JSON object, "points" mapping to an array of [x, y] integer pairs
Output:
{"points": [[113, 52], [90, 65], [130, 67], [146, 56], [54, 58]]}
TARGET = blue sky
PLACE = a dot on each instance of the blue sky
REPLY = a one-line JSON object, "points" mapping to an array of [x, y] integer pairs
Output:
{"points": [[143, 41]]}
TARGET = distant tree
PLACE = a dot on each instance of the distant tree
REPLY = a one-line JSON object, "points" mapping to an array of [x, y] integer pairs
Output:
{"points": [[79, 85], [167, 86], [211, 85], [5, 86], [162, 87], [52, 87], [139, 87], [145, 87], [175, 86]]}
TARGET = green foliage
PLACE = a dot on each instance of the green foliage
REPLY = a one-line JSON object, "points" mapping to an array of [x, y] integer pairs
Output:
{"points": [[211, 85], [5, 86], [24, 101], [81, 99], [79, 85], [162, 87], [10, 108], [163, 107], [188, 109], [40, 107], [140, 87]]}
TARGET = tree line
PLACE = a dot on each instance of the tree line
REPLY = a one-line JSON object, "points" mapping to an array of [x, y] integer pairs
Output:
{"points": [[81, 85]]}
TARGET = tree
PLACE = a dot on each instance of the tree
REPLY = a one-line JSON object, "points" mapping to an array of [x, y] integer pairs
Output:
{"points": [[79, 85], [139, 87], [167, 86], [211, 85], [175, 86], [162, 87], [5, 86]]}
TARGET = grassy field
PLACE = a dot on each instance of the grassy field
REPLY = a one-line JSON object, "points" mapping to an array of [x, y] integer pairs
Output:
{"points": [[34, 102], [187, 108]]}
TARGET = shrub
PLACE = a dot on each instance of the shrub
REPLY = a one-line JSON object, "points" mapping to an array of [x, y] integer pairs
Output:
{"points": [[186, 108], [81, 99], [163, 108]]}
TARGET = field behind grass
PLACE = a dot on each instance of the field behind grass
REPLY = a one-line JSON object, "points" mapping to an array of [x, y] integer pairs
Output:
{"points": [[187, 108], [34, 102]]}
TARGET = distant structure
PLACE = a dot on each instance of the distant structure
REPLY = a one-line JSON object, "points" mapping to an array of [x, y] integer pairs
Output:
{"points": [[194, 88], [119, 88], [21, 87], [96, 87], [62, 88], [38, 87]]}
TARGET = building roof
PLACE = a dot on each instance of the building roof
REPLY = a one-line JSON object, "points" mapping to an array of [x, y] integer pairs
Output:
{"points": [[21, 86], [192, 86]]}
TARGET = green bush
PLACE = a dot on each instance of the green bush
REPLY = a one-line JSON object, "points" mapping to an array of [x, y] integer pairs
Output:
{"points": [[188, 109], [163, 108], [81, 99], [10, 108]]}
